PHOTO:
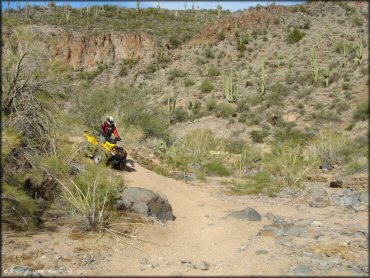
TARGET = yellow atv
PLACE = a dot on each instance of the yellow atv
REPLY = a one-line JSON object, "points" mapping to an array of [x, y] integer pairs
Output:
{"points": [[116, 155]]}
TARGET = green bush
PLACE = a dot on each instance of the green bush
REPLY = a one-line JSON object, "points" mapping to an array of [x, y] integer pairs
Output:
{"points": [[208, 52], [216, 168], [206, 86], [213, 70], [362, 111], [356, 165], [225, 110], [188, 82], [258, 135], [211, 104], [174, 73], [256, 184], [295, 36]]}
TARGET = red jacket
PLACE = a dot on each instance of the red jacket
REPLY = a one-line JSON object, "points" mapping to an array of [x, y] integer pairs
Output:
{"points": [[107, 130]]}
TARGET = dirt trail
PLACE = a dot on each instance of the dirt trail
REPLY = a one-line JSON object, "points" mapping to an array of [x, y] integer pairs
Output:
{"points": [[200, 232]]}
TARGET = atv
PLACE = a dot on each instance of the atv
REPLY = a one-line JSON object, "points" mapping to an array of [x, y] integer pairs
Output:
{"points": [[116, 155]]}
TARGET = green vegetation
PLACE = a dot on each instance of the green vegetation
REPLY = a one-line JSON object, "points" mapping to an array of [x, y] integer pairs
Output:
{"points": [[295, 36], [362, 111], [206, 86]]}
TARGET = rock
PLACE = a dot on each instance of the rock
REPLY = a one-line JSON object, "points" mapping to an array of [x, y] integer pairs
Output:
{"points": [[317, 197], [278, 230], [364, 197], [203, 265], [146, 202], [348, 198], [316, 223], [261, 252], [336, 184], [272, 217], [326, 166], [246, 214], [302, 270], [24, 271]]}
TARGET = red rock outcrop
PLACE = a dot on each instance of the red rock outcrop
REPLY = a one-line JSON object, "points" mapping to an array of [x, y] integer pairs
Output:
{"points": [[82, 52]]}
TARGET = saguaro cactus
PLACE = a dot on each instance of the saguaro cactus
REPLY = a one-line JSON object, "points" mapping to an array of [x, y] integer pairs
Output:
{"points": [[190, 106], [231, 89], [171, 105], [359, 53], [219, 9], [326, 74], [344, 52], [67, 15], [315, 68], [263, 82]]}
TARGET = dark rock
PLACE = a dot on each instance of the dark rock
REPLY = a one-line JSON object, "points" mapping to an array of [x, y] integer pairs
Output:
{"points": [[302, 270], [318, 197], [336, 184], [261, 252], [246, 214], [146, 202]]}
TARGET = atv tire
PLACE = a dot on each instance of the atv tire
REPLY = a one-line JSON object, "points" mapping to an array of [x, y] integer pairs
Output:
{"points": [[122, 165]]}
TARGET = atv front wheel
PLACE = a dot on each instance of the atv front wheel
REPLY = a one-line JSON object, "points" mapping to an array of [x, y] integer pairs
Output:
{"points": [[122, 164]]}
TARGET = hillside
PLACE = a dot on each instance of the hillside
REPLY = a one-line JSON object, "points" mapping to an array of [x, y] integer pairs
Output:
{"points": [[243, 107]]}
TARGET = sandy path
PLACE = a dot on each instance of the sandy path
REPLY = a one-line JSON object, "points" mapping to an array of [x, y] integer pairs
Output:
{"points": [[199, 233]]}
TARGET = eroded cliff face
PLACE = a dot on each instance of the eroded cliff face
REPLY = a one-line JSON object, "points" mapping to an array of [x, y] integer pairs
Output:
{"points": [[82, 52]]}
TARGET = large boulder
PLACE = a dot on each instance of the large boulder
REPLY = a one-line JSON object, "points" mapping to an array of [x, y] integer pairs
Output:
{"points": [[146, 202]]}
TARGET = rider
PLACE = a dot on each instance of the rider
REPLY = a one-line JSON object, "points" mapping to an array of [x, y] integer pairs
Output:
{"points": [[107, 129]]}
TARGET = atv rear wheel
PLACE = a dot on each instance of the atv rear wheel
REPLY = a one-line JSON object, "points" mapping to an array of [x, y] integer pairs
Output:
{"points": [[122, 164]]}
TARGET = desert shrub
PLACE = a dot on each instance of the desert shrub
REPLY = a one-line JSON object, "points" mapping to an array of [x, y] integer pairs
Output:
{"points": [[225, 110], [291, 136], [330, 146], [258, 135], [174, 73], [174, 41], [295, 36], [256, 184], [243, 117], [346, 86], [91, 196], [151, 68], [180, 115], [234, 146], [362, 111], [215, 168], [193, 149], [18, 209], [206, 86], [340, 107], [288, 165], [208, 52], [357, 20], [356, 165], [325, 116], [188, 82], [211, 104], [243, 106], [213, 70]]}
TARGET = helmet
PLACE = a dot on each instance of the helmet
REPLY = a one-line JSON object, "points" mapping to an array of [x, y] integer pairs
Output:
{"points": [[110, 119]]}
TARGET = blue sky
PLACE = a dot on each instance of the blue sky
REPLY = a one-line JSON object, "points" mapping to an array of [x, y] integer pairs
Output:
{"points": [[179, 5]]}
